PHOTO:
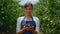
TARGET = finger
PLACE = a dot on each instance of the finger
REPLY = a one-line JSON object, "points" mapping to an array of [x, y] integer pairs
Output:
{"points": [[29, 25], [27, 28], [26, 25]]}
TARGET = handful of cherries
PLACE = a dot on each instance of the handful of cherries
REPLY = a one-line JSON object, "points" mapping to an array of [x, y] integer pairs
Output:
{"points": [[28, 25]]}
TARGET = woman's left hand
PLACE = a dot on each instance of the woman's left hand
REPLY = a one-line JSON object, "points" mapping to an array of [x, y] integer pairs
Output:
{"points": [[32, 30]]}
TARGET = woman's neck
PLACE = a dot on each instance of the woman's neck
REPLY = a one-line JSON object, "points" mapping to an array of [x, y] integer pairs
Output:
{"points": [[28, 17]]}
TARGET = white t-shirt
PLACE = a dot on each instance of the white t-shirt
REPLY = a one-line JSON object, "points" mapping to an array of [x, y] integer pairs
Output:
{"points": [[37, 21]]}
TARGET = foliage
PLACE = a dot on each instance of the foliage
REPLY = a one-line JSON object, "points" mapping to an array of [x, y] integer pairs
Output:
{"points": [[48, 11], [9, 12]]}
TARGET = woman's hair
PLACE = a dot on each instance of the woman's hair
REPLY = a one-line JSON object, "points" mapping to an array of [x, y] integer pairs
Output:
{"points": [[28, 5]]}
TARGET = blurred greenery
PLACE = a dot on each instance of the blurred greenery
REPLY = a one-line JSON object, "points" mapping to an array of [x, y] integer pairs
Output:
{"points": [[48, 11]]}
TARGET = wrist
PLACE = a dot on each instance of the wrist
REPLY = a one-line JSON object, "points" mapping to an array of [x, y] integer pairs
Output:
{"points": [[34, 32], [23, 30]]}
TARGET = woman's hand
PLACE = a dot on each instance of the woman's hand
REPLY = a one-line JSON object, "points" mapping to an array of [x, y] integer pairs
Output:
{"points": [[23, 30], [30, 28], [27, 27]]}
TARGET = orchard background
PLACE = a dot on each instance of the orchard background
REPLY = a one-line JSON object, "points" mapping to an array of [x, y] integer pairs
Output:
{"points": [[48, 11]]}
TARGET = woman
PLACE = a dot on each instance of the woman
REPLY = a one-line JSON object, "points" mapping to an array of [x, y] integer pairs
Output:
{"points": [[28, 24]]}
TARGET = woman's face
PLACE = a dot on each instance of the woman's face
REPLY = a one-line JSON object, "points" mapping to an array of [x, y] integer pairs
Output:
{"points": [[28, 10]]}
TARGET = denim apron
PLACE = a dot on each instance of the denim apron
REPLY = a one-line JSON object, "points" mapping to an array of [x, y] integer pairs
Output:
{"points": [[32, 23]]}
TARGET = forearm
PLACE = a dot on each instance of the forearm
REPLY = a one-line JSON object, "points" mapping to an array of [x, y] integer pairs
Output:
{"points": [[34, 32], [20, 32]]}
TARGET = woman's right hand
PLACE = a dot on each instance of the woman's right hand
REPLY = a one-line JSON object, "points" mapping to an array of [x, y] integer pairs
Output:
{"points": [[26, 27], [22, 30]]}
